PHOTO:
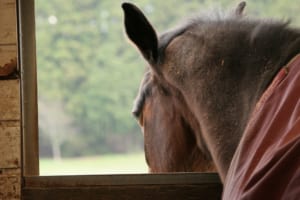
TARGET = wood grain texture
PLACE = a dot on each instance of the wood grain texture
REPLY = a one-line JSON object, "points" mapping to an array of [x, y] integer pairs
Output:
{"points": [[8, 59], [10, 132], [10, 184], [140, 192], [10, 145], [7, 53], [8, 22], [8, 38], [10, 100], [133, 187]]}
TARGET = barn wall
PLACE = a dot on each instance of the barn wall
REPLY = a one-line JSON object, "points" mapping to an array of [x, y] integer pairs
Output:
{"points": [[10, 115]]}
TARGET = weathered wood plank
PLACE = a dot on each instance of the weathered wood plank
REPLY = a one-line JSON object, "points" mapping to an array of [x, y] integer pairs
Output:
{"points": [[123, 179], [8, 22], [10, 145], [9, 2], [10, 136], [133, 187], [10, 100], [7, 53], [10, 172], [8, 59], [165, 192], [10, 184]]}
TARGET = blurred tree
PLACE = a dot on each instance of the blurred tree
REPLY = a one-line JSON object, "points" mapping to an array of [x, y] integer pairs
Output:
{"points": [[55, 124]]}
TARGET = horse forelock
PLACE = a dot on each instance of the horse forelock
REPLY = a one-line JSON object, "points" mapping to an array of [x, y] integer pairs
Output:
{"points": [[148, 84], [143, 92]]}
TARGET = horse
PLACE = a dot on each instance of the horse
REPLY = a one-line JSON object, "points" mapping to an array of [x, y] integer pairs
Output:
{"points": [[237, 77], [169, 140]]}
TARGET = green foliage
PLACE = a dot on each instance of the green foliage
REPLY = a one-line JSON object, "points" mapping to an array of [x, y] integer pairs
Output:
{"points": [[86, 64]]}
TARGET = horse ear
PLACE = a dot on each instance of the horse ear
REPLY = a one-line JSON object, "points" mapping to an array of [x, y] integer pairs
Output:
{"points": [[140, 32], [240, 8]]}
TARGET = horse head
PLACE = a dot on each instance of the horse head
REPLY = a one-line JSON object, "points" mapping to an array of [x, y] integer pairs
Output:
{"points": [[169, 130], [215, 69]]}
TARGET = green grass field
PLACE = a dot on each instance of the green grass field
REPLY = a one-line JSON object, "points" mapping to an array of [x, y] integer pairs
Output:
{"points": [[106, 164]]}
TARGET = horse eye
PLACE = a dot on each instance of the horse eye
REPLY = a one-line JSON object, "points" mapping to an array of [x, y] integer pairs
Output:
{"points": [[137, 108], [136, 113]]}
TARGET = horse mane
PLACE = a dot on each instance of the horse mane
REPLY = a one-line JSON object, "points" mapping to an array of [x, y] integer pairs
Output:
{"points": [[259, 30]]}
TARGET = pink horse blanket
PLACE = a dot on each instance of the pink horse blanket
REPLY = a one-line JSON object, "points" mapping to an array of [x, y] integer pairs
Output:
{"points": [[266, 164]]}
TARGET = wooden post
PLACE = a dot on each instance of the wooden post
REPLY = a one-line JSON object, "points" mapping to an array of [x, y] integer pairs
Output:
{"points": [[10, 114], [27, 58]]}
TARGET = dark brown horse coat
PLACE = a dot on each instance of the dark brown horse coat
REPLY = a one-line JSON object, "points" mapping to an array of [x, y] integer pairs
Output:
{"points": [[169, 131], [268, 156], [223, 68]]}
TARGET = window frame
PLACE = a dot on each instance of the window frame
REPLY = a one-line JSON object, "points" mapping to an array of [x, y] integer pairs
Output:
{"points": [[132, 186], [29, 108]]}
